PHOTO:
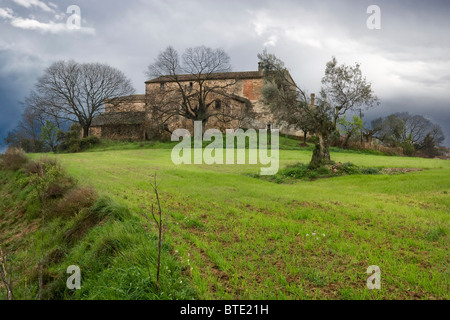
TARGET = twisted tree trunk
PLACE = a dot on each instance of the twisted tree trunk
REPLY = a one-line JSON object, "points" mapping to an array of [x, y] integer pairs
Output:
{"points": [[321, 152]]}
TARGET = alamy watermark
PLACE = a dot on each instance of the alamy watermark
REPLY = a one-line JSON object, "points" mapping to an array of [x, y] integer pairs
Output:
{"points": [[374, 281], [74, 21], [74, 281], [215, 153], [374, 21]]}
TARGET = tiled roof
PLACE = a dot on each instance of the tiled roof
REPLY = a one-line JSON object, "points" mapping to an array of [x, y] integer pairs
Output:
{"points": [[212, 76], [133, 97]]}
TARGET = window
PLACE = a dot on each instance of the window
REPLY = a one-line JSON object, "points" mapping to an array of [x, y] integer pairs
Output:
{"points": [[191, 85], [162, 86], [218, 104]]}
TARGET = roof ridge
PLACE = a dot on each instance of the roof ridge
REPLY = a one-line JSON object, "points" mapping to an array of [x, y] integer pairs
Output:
{"points": [[215, 76]]}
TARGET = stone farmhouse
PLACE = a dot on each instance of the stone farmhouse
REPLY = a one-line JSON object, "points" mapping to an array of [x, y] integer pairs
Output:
{"points": [[132, 117]]}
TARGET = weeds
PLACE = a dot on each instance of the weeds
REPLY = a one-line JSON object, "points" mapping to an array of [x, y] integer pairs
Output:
{"points": [[14, 159]]}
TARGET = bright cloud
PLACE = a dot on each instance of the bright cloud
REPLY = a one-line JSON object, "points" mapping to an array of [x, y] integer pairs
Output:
{"points": [[32, 24], [50, 27], [34, 3], [6, 13]]}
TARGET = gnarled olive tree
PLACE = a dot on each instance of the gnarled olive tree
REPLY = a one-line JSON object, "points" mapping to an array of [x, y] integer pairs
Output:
{"points": [[344, 89]]}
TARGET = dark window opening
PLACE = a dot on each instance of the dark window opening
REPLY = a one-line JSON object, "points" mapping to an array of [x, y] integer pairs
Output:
{"points": [[218, 104], [162, 86]]}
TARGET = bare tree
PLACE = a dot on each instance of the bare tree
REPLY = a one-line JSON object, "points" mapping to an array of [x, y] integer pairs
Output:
{"points": [[156, 220], [369, 131], [27, 133], [416, 127], [344, 88], [77, 91], [411, 132], [189, 86]]}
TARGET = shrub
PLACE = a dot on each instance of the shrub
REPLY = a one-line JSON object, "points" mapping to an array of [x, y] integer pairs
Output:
{"points": [[14, 159], [350, 168], [78, 145], [72, 143], [88, 142], [35, 167], [370, 171], [408, 148], [74, 201], [59, 184], [312, 175], [298, 170], [323, 171]]}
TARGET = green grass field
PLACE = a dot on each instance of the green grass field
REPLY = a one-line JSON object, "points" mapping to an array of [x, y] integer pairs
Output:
{"points": [[239, 237]]}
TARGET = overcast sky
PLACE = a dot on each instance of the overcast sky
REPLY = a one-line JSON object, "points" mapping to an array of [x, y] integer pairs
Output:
{"points": [[407, 60]]}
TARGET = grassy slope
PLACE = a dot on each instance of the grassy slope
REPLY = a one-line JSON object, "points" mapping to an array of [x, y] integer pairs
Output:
{"points": [[115, 253], [251, 239]]}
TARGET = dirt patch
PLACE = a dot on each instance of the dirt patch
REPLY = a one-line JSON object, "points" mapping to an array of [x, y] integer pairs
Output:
{"points": [[399, 170], [306, 204]]}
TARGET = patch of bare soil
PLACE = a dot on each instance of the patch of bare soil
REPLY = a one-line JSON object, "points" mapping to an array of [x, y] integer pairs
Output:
{"points": [[399, 170]]}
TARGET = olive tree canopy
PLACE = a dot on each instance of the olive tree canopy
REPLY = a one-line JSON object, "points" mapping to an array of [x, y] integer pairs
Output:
{"points": [[344, 89]]}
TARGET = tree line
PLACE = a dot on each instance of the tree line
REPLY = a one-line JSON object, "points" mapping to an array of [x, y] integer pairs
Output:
{"points": [[70, 93]]}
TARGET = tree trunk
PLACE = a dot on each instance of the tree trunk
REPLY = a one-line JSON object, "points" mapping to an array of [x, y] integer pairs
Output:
{"points": [[304, 137], [321, 153], [346, 140], [85, 131], [369, 139]]}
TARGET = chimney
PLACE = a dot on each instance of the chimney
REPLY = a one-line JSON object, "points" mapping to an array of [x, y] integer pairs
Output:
{"points": [[313, 99], [260, 68]]}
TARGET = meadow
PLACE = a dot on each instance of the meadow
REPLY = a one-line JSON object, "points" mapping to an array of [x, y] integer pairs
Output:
{"points": [[233, 236]]}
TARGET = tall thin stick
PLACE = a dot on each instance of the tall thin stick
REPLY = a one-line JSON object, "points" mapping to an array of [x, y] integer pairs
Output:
{"points": [[160, 228], [4, 276]]}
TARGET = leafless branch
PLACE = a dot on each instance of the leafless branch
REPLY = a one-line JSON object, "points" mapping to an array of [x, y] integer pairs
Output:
{"points": [[4, 275]]}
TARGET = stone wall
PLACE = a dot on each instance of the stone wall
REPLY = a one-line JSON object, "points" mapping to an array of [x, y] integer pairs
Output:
{"points": [[122, 131], [127, 104], [159, 95]]}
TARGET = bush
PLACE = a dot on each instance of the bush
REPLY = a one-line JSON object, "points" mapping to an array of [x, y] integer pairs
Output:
{"points": [[88, 142], [74, 201], [370, 171], [75, 145], [298, 170], [72, 143], [43, 164], [14, 159], [350, 168], [52, 178], [323, 171], [58, 188], [408, 149]]}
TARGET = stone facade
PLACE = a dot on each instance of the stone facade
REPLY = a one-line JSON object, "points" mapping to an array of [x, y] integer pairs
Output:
{"points": [[130, 117]]}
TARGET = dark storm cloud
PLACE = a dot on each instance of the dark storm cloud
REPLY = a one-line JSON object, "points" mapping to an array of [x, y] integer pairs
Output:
{"points": [[408, 60]]}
